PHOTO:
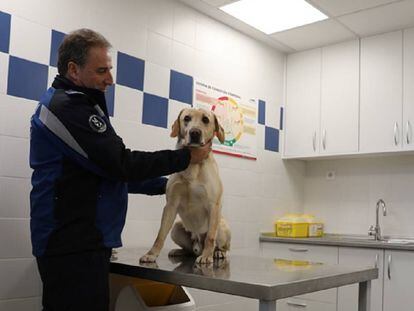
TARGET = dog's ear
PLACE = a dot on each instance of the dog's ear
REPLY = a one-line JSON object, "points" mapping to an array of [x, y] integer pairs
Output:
{"points": [[219, 130], [175, 130]]}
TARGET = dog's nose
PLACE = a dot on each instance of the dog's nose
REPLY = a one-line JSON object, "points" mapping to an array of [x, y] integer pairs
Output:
{"points": [[195, 136]]}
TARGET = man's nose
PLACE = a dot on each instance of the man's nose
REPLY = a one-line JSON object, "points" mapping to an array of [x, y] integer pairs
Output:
{"points": [[110, 79]]}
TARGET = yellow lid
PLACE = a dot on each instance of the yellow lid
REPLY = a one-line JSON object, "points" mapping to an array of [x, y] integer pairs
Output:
{"points": [[292, 218]]}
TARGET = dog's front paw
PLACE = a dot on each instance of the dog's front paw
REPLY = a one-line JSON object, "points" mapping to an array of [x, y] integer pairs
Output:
{"points": [[148, 258], [219, 254], [204, 259]]}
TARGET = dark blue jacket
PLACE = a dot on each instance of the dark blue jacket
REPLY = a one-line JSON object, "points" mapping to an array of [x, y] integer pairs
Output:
{"points": [[83, 172]]}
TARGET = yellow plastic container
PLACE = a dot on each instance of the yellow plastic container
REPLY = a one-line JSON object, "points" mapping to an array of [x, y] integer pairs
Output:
{"points": [[315, 227], [292, 226]]}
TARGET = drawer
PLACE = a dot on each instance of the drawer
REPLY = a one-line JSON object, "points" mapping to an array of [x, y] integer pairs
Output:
{"points": [[292, 251], [295, 304], [314, 253]]}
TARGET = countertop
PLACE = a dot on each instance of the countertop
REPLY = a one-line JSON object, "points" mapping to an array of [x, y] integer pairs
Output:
{"points": [[253, 277], [339, 240]]}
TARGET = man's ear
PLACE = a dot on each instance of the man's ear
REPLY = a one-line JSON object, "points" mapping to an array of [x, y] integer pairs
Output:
{"points": [[73, 71], [219, 130], [175, 130]]}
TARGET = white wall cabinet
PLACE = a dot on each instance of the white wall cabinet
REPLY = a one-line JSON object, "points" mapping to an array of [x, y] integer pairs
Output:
{"points": [[408, 99], [340, 98], [322, 101], [348, 295], [381, 93], [303, 80], [398, 280]]}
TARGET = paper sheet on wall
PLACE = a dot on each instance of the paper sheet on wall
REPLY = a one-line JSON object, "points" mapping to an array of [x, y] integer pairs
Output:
{"points": [[236, 115]]}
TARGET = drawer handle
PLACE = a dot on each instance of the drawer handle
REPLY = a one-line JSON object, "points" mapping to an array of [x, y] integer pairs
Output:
{"points": [[299, 250], [297, 304]]}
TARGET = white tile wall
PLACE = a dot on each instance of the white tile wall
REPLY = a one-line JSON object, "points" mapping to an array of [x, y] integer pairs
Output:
{"points": [[183, 58], [15, 114], [184, 25], [347, 204], [4, 68], [129, 104], [18, 231], [14, 194], [26, 304], [157, 80], [14, 159], [30, 40], [20, 278], [159, 49], [161, 14], [53, 71]]}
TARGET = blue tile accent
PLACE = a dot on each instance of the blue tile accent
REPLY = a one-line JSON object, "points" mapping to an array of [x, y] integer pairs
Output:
{"points": [[26, 79], [262, 112], [130, 71], [271, 139], [110, 99], [281, 119], [57, 38], [181, 87], [5, 20], [155, 110]]}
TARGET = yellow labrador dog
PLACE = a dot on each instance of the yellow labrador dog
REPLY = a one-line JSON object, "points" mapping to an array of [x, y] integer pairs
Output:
{"points": [[195, 195]]}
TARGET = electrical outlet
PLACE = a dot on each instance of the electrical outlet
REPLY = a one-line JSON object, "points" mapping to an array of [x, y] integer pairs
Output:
{"points": [[330, 175]]}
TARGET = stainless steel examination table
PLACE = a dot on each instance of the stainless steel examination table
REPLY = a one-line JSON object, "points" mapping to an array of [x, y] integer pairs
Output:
{"points": [[259, 278]]}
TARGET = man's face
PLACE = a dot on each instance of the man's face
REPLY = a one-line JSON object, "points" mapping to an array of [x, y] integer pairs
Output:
{"points": [[96, 73]]}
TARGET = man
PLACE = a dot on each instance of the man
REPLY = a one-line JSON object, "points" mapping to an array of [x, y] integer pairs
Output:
{"points": [[82, 176]]}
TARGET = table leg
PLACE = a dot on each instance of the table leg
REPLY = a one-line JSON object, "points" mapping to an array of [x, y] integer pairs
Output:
{"points": [[267, 305], [364, 297]]}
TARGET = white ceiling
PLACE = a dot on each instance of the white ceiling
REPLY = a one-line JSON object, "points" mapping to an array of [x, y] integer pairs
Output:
{"points": [[348, 19]]}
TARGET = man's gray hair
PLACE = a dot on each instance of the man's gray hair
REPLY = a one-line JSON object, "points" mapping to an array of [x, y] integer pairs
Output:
{"points": [[75, 48]]}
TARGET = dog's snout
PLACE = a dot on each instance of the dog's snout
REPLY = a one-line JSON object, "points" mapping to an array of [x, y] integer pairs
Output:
{"points": [[195, 136]]}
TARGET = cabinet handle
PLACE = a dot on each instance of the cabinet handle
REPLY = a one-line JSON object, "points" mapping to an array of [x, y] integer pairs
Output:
{"points": [[297, 304], [314, 141], [389, 267], [324, 140], [376, 261], [408, 133], [396, 133], [298, 250]]}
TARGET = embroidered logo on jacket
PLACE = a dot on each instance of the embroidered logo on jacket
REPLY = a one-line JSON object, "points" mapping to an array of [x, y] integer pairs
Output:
{"points": [[97, 123]]}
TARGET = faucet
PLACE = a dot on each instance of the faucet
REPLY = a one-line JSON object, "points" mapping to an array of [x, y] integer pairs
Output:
{"points": [[376, 231]]}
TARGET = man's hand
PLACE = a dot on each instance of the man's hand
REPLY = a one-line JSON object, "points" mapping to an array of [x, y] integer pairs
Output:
{"points": [[201, 153]]}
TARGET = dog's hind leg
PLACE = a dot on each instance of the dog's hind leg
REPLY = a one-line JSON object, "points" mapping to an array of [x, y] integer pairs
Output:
{"points": [[183, 239]]}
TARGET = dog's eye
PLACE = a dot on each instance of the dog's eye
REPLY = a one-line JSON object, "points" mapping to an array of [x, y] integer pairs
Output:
{"points": [[205, 120], [187, 119]]}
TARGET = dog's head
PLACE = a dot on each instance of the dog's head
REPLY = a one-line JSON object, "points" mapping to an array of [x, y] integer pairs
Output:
{"points": [[196, 127]]}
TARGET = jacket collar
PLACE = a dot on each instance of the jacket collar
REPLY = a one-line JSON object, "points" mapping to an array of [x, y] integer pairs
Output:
{"points": [[98, 97]]}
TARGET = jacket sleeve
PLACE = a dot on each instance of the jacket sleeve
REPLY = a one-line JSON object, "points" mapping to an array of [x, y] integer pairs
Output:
{"points": [[153, 186], [105, 149]]}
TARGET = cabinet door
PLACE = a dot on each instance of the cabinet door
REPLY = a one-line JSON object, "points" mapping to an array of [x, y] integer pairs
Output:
{"points": [[381, 93], [348, 295], [408, 100], [340, 98], [303, 80], [398, 280]]}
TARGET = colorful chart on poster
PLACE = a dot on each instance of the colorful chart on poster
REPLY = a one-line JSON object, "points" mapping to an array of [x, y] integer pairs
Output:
{"points": [[237, 116]]}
